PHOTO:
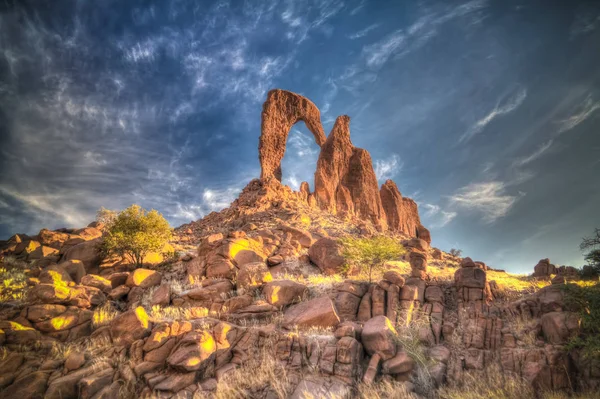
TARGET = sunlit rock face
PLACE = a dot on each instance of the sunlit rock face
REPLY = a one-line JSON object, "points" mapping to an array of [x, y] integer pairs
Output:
{"points": [[345, 181], [401, 213], [280, 112]]}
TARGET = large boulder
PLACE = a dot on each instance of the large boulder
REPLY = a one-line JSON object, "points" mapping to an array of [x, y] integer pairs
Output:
{"points": [[87, 252], [558, 327], [284, 292], [195, 351], [318, 312], [326, 253], [281, 111], [252, 275], [144, 278], [399, 364], [379, 337], [130, 326], [544, 268]]}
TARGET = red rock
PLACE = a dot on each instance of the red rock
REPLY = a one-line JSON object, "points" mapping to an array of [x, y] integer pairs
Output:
{"points": [[194, 352], [74, 361], [401, 213], [130, 326], [101, 283], [162, 295], [318, 312], [253, 274], [144, 278], [281, 111], [32, 386], [90, 385], [399, 364], [544, 268], [326, 253], [345, 182], [87, 252], [394, 277], [558, 327], [284, 292], [379, 336]]}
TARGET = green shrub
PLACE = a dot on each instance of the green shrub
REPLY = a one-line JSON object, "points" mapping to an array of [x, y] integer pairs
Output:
{"points": [[370, 254], [136, 232], [585, 299]]}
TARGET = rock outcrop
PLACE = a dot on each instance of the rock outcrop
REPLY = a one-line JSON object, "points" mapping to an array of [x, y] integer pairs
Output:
{"points": [[345, 182], [280, 112], [401, 213]]}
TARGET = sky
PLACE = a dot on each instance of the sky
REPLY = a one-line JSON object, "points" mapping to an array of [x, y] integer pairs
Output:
{"points": [[485, 112]]}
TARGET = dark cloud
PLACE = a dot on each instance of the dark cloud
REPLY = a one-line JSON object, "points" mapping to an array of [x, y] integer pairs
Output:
{"points": [[482, 111]]}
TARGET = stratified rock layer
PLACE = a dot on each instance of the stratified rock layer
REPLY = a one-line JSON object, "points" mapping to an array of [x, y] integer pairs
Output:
{"points": [[280, 112]]}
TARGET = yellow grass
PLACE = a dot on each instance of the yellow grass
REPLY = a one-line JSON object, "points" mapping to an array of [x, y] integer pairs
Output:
{"points": [[14, 280], [103, 315]]}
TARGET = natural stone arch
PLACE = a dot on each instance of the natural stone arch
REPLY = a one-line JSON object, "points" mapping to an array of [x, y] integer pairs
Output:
{"points": [[282, 110]]}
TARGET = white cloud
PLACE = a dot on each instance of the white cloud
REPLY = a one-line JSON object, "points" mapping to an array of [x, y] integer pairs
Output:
{"points": [[439, 217], [500, 109], [488, 199], [401, 42], [363, 32], [388, 168], [303, 144], [534, 155], [586, 109], [94, 158]]}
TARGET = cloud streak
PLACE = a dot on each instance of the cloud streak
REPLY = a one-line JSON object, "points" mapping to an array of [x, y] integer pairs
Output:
{"points": [[488, 199], [388, 168], [586, 110], [501, 108]]}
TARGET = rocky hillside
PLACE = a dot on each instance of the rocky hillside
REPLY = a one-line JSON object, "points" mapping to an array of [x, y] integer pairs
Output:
{"points": [[257, 303]]}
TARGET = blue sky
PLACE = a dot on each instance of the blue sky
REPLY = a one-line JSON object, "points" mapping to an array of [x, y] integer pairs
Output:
{"points": [[484, 112]]}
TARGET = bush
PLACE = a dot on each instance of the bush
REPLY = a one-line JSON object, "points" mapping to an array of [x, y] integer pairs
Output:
{"points": [[456, 252], [369, 254], [135, 233], [585, 299]]}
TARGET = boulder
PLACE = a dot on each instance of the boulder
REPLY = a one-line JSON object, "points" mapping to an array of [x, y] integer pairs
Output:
{"points": [[91, 280], [130, 326], [253, 275], [144, 278], [281, 111], [194, 352], [32, 385], [87, 252], [558, 327], [326, 253], [394, 277], [162, 296], [318, 312], [379, 337], [401, 363], [284, 292]]}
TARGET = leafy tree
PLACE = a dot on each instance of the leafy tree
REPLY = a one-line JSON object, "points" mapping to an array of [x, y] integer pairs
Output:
{"points": [[456, 252], [370, 253], [585, 300], [106, 217], [135, 232], [592, 244]]}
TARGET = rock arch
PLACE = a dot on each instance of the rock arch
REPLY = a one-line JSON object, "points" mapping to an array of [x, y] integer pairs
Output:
{"points": [[282, 110]]}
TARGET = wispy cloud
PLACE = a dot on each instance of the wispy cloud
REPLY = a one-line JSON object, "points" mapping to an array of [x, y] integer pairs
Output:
{"points": [[437, 216], [388, 168], [534, 155], [489, 199], [585, 110], [403, 41], [501, 108], [363, 32]]}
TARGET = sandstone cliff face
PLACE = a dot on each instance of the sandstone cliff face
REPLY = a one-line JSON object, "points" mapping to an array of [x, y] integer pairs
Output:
{"points": [[401, 213], [280, 112], [345, 181]]}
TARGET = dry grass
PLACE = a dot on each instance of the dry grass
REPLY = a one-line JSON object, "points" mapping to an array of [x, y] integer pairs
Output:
{"points": [[14, 279], [260, 373], [176, 313], [384, 390], [493, 384], [103, 315]]}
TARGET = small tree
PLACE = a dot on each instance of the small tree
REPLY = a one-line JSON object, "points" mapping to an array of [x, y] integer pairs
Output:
{"points": [[135, 232], [456, 252], [106, 217], [370, 253], [592, 244]]}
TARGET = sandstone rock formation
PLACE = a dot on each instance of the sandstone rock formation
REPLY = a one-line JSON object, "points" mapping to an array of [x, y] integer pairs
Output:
{"points": [[280, 112], [345, 182], [401, 213]]}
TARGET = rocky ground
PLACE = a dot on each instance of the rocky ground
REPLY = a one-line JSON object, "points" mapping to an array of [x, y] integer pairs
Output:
{"points": [[255, 302]]}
